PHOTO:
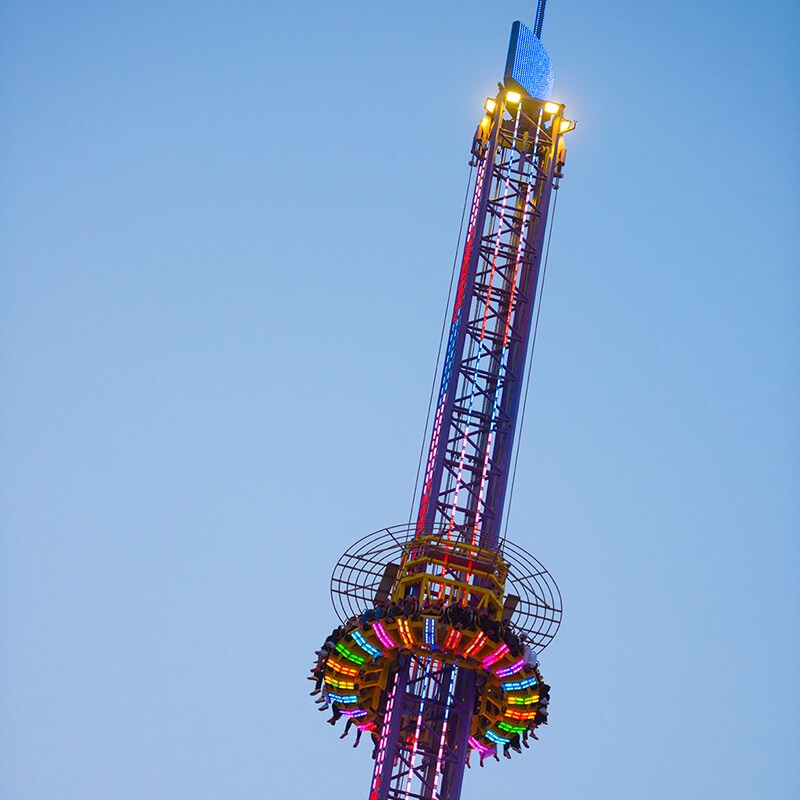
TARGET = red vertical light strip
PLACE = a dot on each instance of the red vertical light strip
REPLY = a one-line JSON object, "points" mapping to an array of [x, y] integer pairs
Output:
{"points": [[509, 315], [443, 737], [453, 638], [387, 720], [487, 305], [448, 364], [525, 222], [415, 743]]}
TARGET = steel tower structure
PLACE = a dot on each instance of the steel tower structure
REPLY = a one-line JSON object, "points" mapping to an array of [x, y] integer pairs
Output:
{"points": [[420, 661]]}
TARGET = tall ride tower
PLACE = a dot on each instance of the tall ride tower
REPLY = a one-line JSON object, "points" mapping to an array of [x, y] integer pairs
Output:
{"points": [[442, 619]]}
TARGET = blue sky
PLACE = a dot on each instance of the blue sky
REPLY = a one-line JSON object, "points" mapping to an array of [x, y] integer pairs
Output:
{"points": [[225, 246]]}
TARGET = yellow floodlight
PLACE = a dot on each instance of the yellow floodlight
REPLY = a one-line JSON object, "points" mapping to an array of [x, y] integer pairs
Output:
{"points": [[486, 121], [513, 97], [490, 105], [566, 125], [551, 108]]}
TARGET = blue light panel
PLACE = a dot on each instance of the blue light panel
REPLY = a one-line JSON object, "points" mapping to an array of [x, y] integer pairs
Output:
{"points": [[512, 686], [343, 698], [493, 737], [528, 63], [365, 645]]}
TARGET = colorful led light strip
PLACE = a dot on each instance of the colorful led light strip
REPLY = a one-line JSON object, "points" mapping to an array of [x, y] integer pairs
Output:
{"points": [[423, 695], [512, 685], [337, 666], [504, 350], [487, 455], [443, 738], [453, 638], [353, 713], [521, 715], [481, 748], [488, 352], [405, 632], [343, 698], [366, 726], [379, 758], [494, 657], [470, 243], [339, 684], [383, 636], [349, 654], [430, 631], [525, 221], [527, 700], [465, 436], [501, 372], [466, 258], [506, 195], [476, 644], [365, 645], [505, 726], [455, 327], [511, 669], [493, 737]]}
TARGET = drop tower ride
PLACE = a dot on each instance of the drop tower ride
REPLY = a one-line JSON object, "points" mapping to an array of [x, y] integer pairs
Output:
{"points": [[443, 619]]}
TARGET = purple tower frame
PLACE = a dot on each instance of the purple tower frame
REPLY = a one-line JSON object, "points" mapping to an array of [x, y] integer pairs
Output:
{"points": [[518, 153], [475, 419]]}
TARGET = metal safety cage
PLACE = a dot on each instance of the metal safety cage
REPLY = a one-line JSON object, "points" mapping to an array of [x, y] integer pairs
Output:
{"points": [[359, 581]]}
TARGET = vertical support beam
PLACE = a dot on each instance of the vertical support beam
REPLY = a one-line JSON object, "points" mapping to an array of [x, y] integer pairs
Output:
{"points": [[424, 741], [432, 478], [518, 351], [458, 734], [388, 742], [474, 425]]}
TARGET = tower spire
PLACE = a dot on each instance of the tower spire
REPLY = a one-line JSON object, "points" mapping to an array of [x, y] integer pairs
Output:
{"points": [[537, 25]]}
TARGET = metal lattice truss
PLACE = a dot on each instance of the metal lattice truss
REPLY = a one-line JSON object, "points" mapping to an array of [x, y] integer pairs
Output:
{"points": [[423, 743], [469, 458], [432, 702]]}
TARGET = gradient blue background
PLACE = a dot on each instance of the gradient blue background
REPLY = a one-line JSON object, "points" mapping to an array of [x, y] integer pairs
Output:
{"points": [[225, 244]]}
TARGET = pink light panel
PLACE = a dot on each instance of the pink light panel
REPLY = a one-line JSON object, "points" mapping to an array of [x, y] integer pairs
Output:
{"points": [[383, 636], [494, 657], [511, 669]]}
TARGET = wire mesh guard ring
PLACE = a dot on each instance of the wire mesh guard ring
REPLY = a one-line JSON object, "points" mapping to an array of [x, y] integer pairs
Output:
{"points": [[358, 574]]}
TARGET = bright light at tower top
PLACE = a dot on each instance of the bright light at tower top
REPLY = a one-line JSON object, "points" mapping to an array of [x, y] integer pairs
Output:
{"points": [[529, 71]]}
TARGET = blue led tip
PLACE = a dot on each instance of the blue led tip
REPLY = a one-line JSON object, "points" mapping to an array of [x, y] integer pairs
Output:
{"points": [[528, 63]]}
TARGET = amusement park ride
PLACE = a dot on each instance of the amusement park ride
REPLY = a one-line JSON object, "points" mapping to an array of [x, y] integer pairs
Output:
{"points": [[442, 619]]}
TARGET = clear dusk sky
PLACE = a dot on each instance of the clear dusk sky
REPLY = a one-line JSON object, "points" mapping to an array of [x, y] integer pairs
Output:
{"points": [[226, 234]]}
